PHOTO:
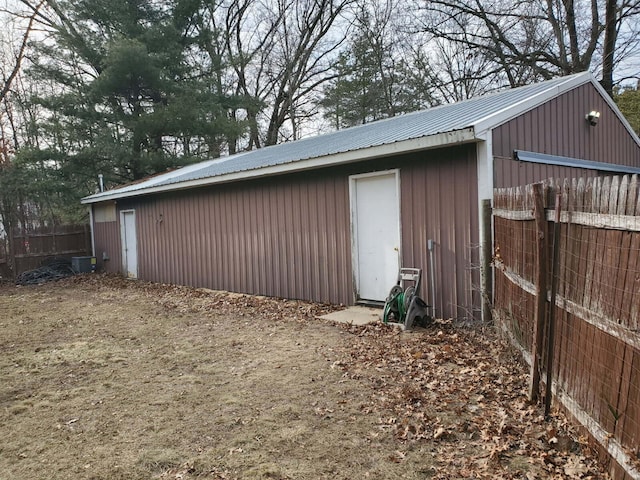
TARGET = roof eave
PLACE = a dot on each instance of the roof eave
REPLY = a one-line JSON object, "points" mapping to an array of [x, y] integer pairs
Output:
{"points": [[455, 137]]}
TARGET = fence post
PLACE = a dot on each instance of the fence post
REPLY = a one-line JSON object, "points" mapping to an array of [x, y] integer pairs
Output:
{"points": [[486, 272], [541, 290], [552, 307]]}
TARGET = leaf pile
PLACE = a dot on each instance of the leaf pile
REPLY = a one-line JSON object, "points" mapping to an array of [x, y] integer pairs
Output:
{"points": [[462, 392], [456, 393], [184, 299]]}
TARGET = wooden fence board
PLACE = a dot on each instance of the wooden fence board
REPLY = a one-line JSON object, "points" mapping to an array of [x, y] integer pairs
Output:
{"points": [[587, 247], [577, 365], [596, 255], [598, 191], [592, 354], [540, 311], [610, 268], [630, 433], [610, 372], [580, 353], [615, 252], [582, 251], [560, 374], [610, 251], [597, 290], [572, 245], [623, 391], [620, 279], [623, 394]]}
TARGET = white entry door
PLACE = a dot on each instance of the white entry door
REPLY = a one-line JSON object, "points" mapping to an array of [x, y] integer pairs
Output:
{"points": [[375, 220], [129, 243]]}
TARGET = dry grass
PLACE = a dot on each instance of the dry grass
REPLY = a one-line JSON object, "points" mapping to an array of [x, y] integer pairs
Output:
{"points": [[109, 379]]}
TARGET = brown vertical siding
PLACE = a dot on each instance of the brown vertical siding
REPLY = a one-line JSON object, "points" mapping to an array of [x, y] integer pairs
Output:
{"points": [[440, 202], [558, 127], [107, 240], [290, 236], [272, 237]]}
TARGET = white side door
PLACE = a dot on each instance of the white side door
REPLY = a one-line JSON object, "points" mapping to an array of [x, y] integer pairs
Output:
{"points": [[129, 243], [375, 226]]}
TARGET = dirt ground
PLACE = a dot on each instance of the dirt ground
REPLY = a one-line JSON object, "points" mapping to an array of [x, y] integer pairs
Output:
{"points": [[104, 378]]}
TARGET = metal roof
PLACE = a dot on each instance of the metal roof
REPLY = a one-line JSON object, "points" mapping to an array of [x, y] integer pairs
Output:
{"points": [[475, 115]]}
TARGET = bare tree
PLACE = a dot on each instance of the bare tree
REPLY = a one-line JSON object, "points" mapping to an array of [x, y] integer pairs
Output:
{"points": [[9, 72], [455, 73], [621, 40], [537, 39], [12, 107], [249, 38], [281, 52]]}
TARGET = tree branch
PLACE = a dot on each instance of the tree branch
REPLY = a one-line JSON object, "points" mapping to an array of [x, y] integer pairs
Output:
{"points": [[23, 46]]}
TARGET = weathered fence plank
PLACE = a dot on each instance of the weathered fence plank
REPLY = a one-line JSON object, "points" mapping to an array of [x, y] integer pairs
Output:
{"points": [[540, 289], [555, 283]]}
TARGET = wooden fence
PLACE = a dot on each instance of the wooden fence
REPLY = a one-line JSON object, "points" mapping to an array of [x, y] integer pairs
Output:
{"points": [[30, 248], [586, 349]]}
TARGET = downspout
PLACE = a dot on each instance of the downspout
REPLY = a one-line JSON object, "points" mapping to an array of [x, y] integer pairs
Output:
{"points": [[432, 281], [484, 165]]}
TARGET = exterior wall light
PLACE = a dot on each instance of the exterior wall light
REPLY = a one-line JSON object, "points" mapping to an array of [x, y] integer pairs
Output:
{"points": [[592, 117]]}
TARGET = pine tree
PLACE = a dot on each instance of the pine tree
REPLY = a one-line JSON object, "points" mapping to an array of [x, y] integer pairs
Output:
{"points": [[628, 100], [127, 102]]}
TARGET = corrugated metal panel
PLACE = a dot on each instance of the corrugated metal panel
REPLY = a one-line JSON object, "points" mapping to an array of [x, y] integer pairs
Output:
{"points": [[286, 239], [439, 202], [558, 127], [434, 121], [107, 240], [291, 237]]}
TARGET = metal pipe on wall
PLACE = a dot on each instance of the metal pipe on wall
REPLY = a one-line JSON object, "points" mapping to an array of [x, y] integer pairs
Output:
{"points": [[430, 246]]}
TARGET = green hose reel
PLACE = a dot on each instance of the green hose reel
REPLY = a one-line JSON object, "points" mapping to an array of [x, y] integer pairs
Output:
{"points": [[397, 304], [403, 305]]}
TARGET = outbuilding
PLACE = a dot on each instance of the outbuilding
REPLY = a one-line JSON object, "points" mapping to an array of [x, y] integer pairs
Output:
{"points": [[333, 217]]}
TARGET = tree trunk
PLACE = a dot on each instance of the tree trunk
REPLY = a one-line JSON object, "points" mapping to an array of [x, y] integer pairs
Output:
{"points": [[610, 36]]}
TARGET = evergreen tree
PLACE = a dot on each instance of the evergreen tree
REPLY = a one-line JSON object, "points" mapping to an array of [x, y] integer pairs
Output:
{"points": [[127, 102], [628, 100]]}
